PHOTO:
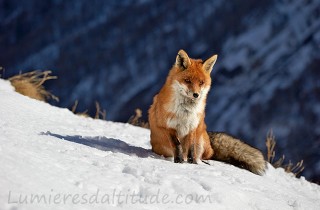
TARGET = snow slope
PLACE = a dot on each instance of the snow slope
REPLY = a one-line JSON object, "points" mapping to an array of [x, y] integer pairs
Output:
{"points": [[53, 159]]}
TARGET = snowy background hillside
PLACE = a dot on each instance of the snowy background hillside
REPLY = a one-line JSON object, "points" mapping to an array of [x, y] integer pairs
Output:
{"points": [[119, 52], [53, 159]]}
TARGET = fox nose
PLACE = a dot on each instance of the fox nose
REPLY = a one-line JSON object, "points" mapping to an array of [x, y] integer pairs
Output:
{"points": [[196, 95]]}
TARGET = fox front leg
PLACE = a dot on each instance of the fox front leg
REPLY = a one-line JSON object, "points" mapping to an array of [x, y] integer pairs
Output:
{"points": [[178, 157], [197, 153], [191, 154], [192, 157]]}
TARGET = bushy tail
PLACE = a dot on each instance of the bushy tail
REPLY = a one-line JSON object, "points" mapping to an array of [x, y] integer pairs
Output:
{"points": [[231, 150]]}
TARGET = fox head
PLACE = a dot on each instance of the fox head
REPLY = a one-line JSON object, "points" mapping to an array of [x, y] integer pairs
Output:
{"points": [[190, 78]]}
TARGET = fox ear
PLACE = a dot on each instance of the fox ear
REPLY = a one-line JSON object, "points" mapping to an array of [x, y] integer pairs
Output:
{"points": [[182, 60], [209, 63]]}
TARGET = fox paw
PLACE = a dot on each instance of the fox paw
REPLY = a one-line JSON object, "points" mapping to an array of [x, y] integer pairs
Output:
{"points": [[178, 159]]}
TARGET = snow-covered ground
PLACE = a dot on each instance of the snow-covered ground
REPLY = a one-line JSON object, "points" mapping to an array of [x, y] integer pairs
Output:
{"points": [[53, 159]]}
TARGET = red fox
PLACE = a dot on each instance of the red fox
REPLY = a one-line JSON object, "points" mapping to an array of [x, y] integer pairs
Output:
{"points": [[176, 118]]}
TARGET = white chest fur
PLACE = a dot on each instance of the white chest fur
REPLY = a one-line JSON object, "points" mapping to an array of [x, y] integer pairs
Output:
{"points": [[186, 114]]}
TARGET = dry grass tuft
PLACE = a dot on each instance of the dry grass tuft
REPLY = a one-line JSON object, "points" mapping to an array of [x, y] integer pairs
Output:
{"points": [[296, 169], [100, 114], [74, 108], [136, 119], [31, 84], [270, 143]]}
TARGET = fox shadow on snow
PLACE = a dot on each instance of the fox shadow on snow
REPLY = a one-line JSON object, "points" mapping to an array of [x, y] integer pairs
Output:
{"points": [[105, 144]]}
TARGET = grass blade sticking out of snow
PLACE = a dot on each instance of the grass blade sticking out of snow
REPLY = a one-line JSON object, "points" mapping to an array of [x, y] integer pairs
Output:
{"points": [[100, 113], [31, 84], [74, 108], [137, 121], [296, 169], [1, 69]]}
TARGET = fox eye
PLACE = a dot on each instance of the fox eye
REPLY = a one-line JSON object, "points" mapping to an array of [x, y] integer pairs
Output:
{"points": [[201, 83], [188, 81]]}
